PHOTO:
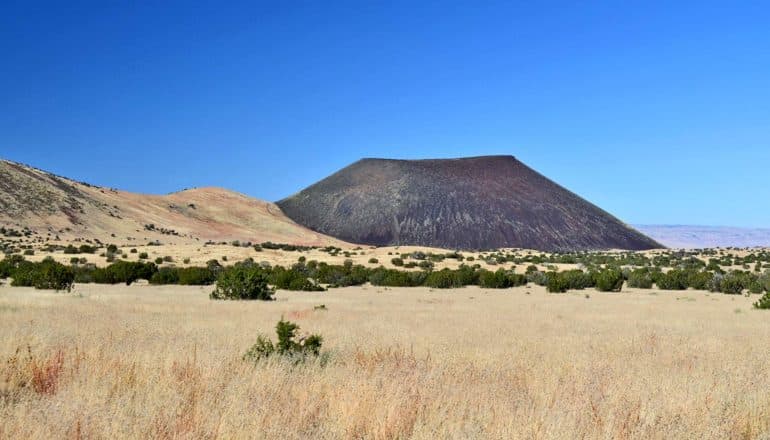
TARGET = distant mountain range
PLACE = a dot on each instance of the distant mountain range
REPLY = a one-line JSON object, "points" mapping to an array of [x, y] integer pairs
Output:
{"points": [[467, 203], [694, 237], [479, 202]]}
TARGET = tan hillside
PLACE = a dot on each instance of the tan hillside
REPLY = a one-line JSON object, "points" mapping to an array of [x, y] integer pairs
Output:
{"points": [[50, 204]]}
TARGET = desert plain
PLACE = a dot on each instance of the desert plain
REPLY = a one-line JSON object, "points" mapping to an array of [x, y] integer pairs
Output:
{"points": [[146, 361]]}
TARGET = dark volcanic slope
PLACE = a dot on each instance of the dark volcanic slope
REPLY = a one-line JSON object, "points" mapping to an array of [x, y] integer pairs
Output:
{"points": [[472, 203]]}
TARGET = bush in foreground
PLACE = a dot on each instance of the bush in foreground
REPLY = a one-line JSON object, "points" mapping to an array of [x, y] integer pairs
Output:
{"points": [[289, 344], [243, 282]]}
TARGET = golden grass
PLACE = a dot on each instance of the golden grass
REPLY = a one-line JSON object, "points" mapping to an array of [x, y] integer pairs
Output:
{"points": [[165, 362]]}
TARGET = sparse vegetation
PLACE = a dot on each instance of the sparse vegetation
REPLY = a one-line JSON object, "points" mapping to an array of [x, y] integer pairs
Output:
{"points": [[608, 280], [290, 344], [763, 302], [241, 282], [47, 274]]}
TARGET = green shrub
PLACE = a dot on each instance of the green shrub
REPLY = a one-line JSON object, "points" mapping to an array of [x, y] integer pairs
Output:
{"points": [[398, 262], [555, 283], [500, 279], [763, 302], [293, 279], [609, 280], [672, 280], [143, 256], [699, 280], [764, 281], [443, 279], [731, 283], [165, 275], [119, 272], [373, 260], [396, 278], [576, 279], [86, 249], [196, 276], [640, 279], [243, 282], [289, 344], [755, 287], [538, 277], [47, 274]]}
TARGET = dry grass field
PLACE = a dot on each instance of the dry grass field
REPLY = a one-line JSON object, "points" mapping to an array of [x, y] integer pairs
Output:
{"points": [[165, 362]]}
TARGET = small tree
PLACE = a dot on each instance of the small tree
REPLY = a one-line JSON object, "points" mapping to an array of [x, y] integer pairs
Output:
{"points": [[242, 282], [289, 344]]}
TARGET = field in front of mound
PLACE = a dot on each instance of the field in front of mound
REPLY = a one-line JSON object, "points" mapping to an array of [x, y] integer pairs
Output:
{"points": [[165, 362]]}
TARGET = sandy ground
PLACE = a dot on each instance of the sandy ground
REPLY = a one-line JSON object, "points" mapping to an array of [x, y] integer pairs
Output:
{"points": [[165, 362], [198, 255]]}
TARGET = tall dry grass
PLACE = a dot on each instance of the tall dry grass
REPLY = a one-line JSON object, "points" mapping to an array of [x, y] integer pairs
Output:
{"points": [[165, 362]]}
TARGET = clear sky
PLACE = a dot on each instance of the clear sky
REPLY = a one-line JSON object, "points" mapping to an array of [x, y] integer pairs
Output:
{"points": [[658, 112]]}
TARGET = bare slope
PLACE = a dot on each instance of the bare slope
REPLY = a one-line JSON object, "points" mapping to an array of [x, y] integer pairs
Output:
{"points": [[47, 203], [470, 203]]}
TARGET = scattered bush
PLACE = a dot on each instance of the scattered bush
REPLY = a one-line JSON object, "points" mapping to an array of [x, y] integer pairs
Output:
{"points": [[297, 348], [672, 280], [47, 274], [555, 283], [293, 279], [165, 275], [196, 276], [500, 279], [243, 282], [443, 279], [730, 283], [763, 302], [609, 280], [118, 272], [398, 262], [640, 279]]}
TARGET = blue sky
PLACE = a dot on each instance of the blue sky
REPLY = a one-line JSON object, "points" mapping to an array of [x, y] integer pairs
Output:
{"points": [[658, 112]]}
